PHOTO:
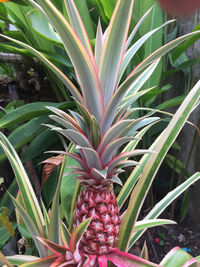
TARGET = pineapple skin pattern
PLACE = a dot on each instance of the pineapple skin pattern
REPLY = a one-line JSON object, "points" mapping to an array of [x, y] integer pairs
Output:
{"points": [[101, 234]]}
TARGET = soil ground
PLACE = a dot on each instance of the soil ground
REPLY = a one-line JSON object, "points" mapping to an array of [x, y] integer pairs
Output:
{"points": [[160, 240]]}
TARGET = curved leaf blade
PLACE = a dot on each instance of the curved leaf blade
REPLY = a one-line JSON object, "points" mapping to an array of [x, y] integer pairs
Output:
{"points": [[85, 69], [113, 48], [150, 164]]}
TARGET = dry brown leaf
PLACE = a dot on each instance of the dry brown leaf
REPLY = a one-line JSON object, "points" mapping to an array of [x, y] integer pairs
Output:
{"points": [[50, 166]]}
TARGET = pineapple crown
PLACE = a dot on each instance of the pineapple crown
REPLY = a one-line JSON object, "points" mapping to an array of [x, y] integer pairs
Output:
{"points": [[105, 121]]}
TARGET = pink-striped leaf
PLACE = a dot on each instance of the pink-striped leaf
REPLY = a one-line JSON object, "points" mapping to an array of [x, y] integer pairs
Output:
{"points": [[55, 248], [81, 60], [98, 44], [123, 259], [64, 116], [113, 163], [77, 234], [113, 48], [72, 155], [99, 174], [112, 147], [63, 122], [113, 133], [125, 86], [136, 28], [78, 26], [92, 158], [135, 47], [75, 137]]}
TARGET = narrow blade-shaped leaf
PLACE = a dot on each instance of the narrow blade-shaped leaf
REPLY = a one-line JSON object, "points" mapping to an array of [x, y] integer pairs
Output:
{"points": [[78, 26], [135, 47], [54, 225], [92, 158], [113, 147], [178, 257], [112, 164], [73, 90], [125, 86], [114, 47], [120, 259], [76, 137], [113, 133], [31, 227], [27, 192], [82, 62], [20, 259], [55, 248], [43, 262], [164, 203], [145, 224], [136, 28], [139, 78], [151, 163], [78, 233], [98, 44]]}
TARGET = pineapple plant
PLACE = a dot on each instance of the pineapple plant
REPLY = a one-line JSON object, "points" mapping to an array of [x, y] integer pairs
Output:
{"points": [[103, 123]]}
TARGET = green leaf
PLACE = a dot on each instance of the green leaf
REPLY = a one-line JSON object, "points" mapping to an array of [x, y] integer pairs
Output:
{"points": [[29, 111], [182, 48], [144, 224], [32, 227], [25, 133], [40, 144], [173, 102], [73, 90], [4, 220], [54, 225], [178, 258], [5, 236], [184, 205], [26, 189], [41, 24], [67, 189]]}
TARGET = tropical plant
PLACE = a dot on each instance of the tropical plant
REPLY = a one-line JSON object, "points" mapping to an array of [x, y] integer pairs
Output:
{"points": [[104, 124]]}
